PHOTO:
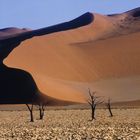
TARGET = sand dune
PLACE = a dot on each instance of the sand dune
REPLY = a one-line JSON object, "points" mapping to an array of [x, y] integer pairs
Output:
{"points": [[103, 55], [18, 86]]}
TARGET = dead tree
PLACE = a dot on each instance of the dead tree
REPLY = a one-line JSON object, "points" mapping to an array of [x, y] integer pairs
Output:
{"points": [[108, 104], [41, 110], [93, 101], [31, 112]]}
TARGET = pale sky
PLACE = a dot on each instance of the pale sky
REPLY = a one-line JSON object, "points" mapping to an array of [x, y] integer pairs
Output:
{"points": [[42, 13]]}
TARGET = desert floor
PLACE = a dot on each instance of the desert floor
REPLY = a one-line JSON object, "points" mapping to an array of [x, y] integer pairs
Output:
{"points": [[71, 125]]}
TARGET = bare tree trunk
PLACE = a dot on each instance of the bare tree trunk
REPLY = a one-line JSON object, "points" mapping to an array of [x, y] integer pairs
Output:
{"points": [[41, 111], [93, 112], [109, 108], [31, 112]]}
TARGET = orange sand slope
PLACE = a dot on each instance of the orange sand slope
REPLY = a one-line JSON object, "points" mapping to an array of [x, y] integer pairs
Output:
{"points": [[103, 55]]}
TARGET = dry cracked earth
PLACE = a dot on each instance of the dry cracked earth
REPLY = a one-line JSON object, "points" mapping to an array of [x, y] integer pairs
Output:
{"points": [[71, 125]]}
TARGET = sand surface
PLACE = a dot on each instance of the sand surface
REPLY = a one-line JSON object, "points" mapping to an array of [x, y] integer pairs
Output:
{"points": [[71, 124]]}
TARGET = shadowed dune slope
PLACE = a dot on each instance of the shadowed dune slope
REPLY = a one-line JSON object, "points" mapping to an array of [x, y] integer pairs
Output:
{"points": [[18, 87], [65, 64]]}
